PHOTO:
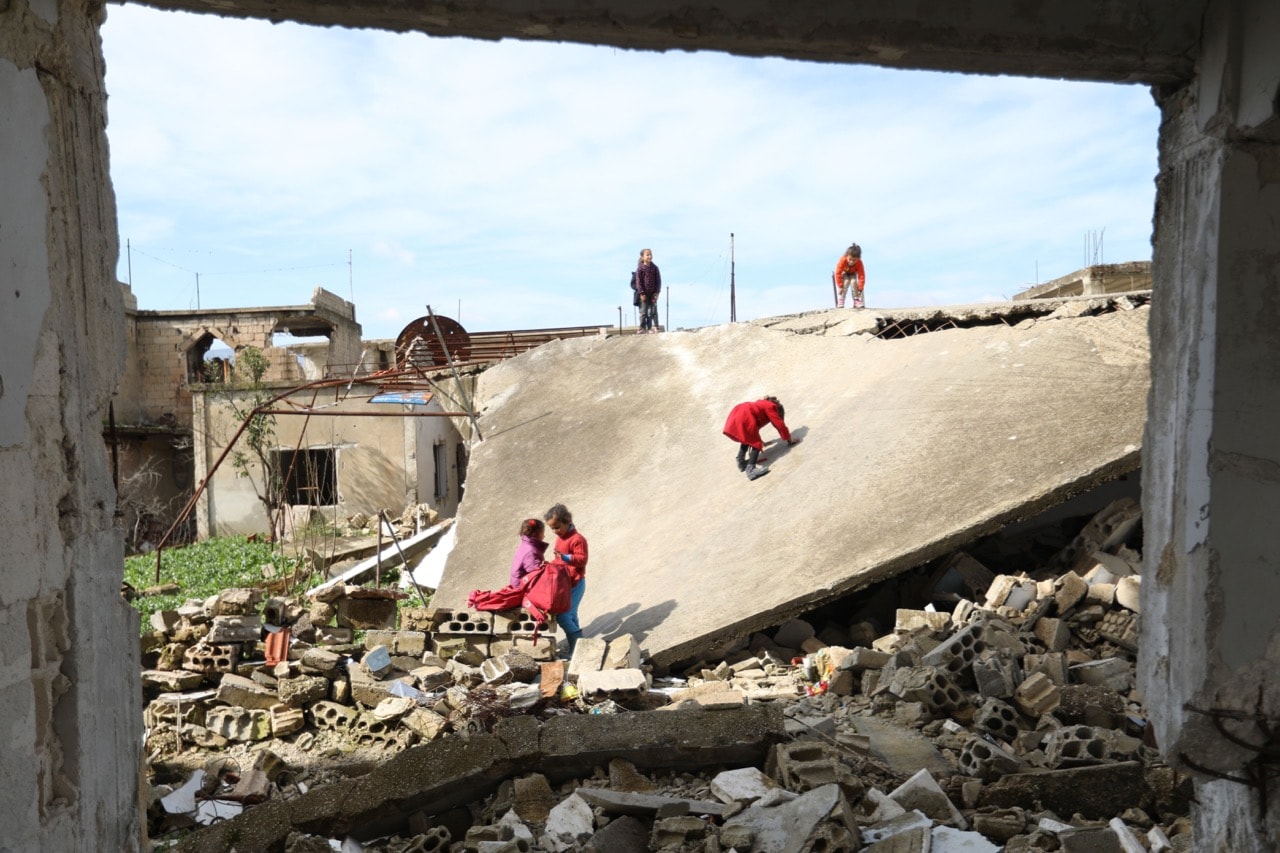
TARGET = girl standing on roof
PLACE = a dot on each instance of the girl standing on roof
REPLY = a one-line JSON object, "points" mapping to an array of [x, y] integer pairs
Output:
{"points": [[648, 285]]}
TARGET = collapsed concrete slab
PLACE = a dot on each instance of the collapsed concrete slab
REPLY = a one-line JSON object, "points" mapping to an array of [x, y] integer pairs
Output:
{"points": [[447, 773], [910, 448]]}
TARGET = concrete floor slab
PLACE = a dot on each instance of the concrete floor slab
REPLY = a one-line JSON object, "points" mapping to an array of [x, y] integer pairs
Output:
{"points": [[911, 448]]}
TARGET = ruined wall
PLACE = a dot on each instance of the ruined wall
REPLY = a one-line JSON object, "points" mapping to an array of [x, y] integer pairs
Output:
{"points": [[68, 690], [1212, 475], [377, 459]]}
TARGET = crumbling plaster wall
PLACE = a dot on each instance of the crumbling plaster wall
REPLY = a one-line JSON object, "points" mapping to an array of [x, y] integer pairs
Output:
{"points": [[69, 696], [1212, 470]]}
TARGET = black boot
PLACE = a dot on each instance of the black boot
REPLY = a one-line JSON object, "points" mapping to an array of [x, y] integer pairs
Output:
{"points": [[756, 471]]}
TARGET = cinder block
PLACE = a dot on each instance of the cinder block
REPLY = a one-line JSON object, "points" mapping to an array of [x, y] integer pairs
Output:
{"points": [[1121, 628], [240, 724], [957, 654], [331, 715], [286, 720], [205, 657], [466, 622], [1076, 746], [928, 686], [998, 719], [987, 761]]}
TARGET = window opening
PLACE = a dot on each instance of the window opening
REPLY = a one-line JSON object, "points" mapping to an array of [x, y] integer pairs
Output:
{"points": [[440, 455], [308, 477]]}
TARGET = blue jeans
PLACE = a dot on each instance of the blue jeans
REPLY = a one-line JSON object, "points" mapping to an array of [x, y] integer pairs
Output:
{"points": [[569, 619]]}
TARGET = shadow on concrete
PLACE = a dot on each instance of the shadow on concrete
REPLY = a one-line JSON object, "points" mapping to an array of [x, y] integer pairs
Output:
{"points": [[778, 448], [630, 620]]}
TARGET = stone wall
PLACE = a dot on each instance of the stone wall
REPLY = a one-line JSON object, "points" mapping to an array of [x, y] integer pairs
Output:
{"points": [[68, 642]]}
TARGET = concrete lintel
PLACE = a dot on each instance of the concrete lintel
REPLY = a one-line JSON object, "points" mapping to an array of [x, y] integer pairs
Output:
{"points": [[1126, 41]]}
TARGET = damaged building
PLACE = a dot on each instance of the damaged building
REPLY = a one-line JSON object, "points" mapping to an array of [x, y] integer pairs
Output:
{"points": [[1208, 448], [335, 449]]}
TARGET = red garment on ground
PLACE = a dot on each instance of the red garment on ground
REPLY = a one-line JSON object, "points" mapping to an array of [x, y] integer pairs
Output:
{"points": [[745, 420]]}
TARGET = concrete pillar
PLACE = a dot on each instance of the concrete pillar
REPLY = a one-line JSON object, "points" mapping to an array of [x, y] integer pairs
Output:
{"points": [[69, 696], [1211, 480]]}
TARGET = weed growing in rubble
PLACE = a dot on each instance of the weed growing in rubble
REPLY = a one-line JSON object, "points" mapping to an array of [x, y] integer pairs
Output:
{"points": [[200, 570]]}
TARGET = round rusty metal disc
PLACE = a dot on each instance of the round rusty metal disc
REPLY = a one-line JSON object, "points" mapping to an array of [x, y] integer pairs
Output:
{"points": [[418, 345]]}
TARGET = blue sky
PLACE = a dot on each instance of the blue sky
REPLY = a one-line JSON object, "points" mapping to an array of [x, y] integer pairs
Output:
{"points": [[512, 184]]}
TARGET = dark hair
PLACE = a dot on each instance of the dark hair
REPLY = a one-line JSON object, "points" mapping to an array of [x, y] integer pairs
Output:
{"points": [[782, 413], [559, 512], [530, 526]]}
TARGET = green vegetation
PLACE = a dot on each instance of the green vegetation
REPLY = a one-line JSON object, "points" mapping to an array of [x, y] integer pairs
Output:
{"points": [[203, 569]]}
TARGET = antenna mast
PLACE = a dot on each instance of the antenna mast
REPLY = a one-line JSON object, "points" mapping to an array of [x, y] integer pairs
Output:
{"points": [[733, 296]]}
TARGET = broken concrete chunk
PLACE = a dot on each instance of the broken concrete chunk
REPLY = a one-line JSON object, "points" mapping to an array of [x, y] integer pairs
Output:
{"points": [[245, 692], [647, 805], [569, 825], [741, 786], [906, 823], [234, 629], [624, 834], [922, 793], [302, 691], [588, 656], [1129, 593], [945, 839], [783, 824], [613, 682], [623, 652]]}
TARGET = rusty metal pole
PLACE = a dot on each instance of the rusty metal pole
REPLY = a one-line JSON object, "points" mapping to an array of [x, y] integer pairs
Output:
{"points": [[456, 378]]}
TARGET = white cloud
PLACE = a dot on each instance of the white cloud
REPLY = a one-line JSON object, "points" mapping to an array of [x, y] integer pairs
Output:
{"points": [[520, 179]]}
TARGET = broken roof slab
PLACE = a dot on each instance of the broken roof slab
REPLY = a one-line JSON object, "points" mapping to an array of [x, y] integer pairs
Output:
{"points": [[911, 448]]}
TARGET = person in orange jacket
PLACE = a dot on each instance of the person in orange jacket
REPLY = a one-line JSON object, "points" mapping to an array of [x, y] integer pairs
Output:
{"points": [[743, 426], [849, 271]]}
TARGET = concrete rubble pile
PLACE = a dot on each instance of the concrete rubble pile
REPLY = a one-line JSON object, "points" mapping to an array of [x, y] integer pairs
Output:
{"points": [[1009, 723]]}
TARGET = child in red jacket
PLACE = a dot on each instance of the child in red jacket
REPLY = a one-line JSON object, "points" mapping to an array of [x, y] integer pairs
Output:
{"points": [[743, 426], [850, 272]]}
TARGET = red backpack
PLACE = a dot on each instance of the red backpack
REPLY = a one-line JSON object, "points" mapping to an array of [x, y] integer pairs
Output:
{"points": [[546, 591]]}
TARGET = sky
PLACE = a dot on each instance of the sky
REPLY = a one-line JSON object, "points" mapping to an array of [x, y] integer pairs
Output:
{"points": [[512, 185]]}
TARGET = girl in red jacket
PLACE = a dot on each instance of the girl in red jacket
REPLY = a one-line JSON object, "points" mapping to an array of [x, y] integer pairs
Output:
{"points": [[743, 426], [849, 271]]}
